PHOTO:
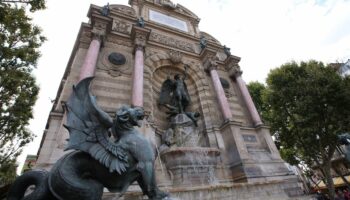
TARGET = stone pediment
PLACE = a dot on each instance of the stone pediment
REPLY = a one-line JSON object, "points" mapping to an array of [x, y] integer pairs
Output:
{"points": [[209, 37], [183, 10], [169, 6], [123, 9]]}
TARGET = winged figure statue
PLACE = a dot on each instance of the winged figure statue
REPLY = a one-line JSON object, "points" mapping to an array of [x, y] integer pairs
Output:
{"points": [[106, 153], [174, 94]]}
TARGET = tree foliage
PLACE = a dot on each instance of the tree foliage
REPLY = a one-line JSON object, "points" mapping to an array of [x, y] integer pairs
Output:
{"points": [[34, 4], [307, 105], [257, 91], [19, 43]]}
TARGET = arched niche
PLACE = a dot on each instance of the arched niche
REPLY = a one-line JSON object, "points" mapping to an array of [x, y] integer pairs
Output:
{"points": [[158, 112]]}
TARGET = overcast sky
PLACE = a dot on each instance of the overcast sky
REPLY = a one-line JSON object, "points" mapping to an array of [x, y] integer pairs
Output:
{"points": [[265, 34]]}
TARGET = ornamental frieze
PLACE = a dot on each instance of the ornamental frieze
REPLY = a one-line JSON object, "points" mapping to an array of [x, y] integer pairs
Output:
{"points": [[121, 26], [170, 41]]}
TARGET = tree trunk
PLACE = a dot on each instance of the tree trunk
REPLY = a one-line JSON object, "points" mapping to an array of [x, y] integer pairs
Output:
{"points": [[330, 184]]}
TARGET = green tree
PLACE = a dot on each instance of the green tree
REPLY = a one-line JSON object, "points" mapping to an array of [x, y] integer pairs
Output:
{"points": [[309, 105], [20, 40], [257, 90], [34, 4]]}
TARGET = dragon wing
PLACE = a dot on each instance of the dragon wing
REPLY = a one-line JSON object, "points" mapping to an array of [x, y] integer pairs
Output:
{"points": [[165, 96], [88, 127]]}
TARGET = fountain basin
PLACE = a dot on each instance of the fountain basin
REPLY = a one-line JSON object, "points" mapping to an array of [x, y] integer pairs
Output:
{"points": [[191, 165], [180, 156]]}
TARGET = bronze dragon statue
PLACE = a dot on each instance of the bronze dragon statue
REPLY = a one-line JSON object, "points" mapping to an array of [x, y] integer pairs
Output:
{"points": [[107, 152]]}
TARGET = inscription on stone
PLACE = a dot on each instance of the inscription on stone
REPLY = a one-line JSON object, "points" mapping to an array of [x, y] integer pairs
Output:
{"points": [[167, 20], [249, 138]]}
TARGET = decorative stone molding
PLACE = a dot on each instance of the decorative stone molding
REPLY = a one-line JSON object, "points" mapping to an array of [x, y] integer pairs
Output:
{"points": [[175, 56], [234, 71], [113, 69], [232, 66], [121, 26], [170, 41], [140, 36], [209, 59], [100, 27], [119, 41], [98, 34], [211, 64], [168, 4]]}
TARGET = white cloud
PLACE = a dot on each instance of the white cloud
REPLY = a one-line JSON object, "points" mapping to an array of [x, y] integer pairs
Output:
{"points": [[265, 34]]}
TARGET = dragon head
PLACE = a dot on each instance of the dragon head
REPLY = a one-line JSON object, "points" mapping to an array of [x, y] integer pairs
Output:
{"points": [[129, 117]]}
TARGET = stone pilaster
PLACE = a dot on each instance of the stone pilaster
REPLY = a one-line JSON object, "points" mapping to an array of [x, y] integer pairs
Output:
{"points": [[210, 64], [139, 36], [235, 72], [100, 26]]}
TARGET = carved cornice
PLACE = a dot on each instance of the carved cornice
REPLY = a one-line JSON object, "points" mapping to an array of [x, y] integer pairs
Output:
{"points": [[140, 36]]}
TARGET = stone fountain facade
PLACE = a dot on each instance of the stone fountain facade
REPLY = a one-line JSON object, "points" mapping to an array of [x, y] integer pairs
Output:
{"points": [[227, 153]]}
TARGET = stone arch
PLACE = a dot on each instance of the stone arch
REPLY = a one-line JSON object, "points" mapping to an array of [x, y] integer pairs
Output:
{"points": [[153, 80]]}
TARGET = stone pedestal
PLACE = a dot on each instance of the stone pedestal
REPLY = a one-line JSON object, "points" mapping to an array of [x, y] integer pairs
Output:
{"points": [[187, 162], [185, 133], [191, 165], [182, 133]]}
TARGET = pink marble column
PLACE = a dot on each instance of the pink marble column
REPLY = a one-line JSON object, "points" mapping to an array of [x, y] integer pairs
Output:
{"points": [[137, 82], [248, 101], [220, 94], [89, 65]]}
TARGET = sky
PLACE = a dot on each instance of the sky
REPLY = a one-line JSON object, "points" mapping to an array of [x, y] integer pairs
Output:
{"points": [[265, 34]]}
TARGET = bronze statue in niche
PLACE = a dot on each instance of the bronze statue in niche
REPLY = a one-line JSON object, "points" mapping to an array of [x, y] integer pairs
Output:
{"points": [[174, 94]]}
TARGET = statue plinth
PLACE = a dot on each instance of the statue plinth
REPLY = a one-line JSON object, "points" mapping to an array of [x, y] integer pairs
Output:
{"points": [[186, 133]]}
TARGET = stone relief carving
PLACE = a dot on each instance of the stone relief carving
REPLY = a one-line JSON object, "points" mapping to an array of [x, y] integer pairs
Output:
{"points": [[170, 41], [140, 39], [115, 70], [175, 56], [117, 58], [234, 70], [121, 26]]}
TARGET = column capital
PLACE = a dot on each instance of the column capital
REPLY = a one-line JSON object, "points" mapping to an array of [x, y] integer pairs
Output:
{"points": [[234, 71], [98, 34], [232, 66], [101, 25], [140, 36], [209, 59], [211, 64]]}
